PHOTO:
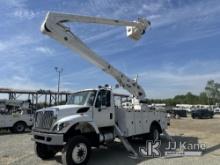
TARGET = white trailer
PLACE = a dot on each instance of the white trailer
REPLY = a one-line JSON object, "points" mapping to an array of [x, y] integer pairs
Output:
{"points": [[94, 116]]}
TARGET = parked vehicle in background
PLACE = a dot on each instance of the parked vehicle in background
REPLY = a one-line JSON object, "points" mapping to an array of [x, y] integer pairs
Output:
{"points": [[217, 110], [202, 113], [181, 113], [175, 113], [15, 115]]}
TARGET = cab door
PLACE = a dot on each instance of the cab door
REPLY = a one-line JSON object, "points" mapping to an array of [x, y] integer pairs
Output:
{"points": [[103, 113]]}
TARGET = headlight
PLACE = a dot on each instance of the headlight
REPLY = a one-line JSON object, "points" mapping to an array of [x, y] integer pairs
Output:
{"points": [[58, 127]]}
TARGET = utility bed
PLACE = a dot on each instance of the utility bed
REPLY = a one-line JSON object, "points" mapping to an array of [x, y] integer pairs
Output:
{"points": [[134, 122]]}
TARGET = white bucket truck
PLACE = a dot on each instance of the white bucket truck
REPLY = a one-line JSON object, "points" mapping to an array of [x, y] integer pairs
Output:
{"points": [[15, 115], [94, 116]]}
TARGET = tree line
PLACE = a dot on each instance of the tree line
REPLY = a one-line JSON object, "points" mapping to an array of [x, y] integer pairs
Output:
{"points": [[210, 96]]}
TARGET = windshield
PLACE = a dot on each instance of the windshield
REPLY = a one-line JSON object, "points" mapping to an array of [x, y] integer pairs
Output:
{"points": [[82, 98]]}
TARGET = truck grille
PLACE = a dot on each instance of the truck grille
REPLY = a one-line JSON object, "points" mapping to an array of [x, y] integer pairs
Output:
{"points": [[44, 119]]}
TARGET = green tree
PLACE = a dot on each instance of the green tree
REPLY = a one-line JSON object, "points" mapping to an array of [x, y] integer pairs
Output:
{"points": [[203, 98], [212, 91]]}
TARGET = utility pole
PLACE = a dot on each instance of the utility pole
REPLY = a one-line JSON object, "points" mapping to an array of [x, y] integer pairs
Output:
{"points": [[59, 71]]}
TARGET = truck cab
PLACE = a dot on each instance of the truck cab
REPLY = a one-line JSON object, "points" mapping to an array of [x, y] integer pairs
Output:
{"points": [[88, 113], [94, 105], [97, 104]]}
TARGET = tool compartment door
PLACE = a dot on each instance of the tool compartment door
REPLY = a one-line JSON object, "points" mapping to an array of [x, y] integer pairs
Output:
{"points": [[138, 122], [125, 121]]}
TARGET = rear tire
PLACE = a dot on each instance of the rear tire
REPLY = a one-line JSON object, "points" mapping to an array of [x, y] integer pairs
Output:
{"points": [[154, 133], [43, 152], [19, 127], [77, 151]]}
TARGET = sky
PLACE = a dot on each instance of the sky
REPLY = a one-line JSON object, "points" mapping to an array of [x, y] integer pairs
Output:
{"points": [[179, 53]]}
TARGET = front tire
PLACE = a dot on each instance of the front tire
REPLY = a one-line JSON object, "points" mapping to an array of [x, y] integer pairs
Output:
{"points": [[43, 152], [77, 151]]}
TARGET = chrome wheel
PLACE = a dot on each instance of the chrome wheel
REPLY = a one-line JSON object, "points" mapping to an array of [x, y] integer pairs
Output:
{"points": [[79, 153]]}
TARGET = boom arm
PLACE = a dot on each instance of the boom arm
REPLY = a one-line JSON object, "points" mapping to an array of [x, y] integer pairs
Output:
{"points": [[54, 27]]}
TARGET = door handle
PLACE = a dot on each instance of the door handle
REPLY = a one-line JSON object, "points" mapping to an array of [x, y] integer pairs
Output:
{"points": [[111, 115]]}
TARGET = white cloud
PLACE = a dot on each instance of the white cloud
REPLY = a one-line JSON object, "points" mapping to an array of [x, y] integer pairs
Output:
{"points": [[166, 83], [20, 76], [17, 9], [16, 42], [102, 35], [193, 14], [17, 47], [85, 73], [150, 7], [23, 13], [154, 16], [44, 50], [14, 3], [20, 82], [3, 46]]}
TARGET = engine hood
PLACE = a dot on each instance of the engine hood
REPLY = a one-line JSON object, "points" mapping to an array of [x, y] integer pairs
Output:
{"points": [[70, 106], [68, 110]]}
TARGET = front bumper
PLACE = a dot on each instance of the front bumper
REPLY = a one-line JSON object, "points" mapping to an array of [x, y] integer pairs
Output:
{"points": [[48, 138]]}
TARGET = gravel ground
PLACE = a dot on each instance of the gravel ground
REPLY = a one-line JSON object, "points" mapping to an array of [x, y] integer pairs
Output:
{"points": [[17, 149]]}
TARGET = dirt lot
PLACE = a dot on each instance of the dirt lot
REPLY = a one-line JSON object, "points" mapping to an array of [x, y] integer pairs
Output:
{"points": [[17, 149]]}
